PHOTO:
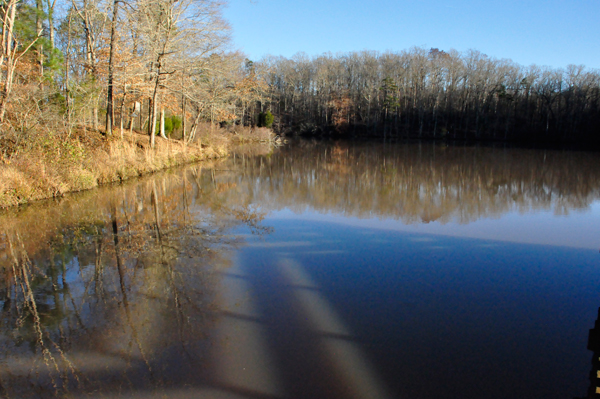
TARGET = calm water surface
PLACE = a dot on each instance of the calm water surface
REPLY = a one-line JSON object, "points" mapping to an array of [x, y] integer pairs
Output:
{"points": [[317, 270]]}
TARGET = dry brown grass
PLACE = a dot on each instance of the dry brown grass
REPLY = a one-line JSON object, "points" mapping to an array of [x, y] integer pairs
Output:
{"points": [[251, 134], [53, 166]]}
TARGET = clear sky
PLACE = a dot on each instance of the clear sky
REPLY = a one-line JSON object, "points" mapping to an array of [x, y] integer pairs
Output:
{"points": [[543, 32]]}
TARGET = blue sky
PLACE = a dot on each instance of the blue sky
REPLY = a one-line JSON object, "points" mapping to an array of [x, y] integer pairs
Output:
{"points": [[543, 32]]}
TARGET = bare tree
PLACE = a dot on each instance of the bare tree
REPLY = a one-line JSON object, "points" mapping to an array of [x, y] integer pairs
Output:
{"points": [[177, 35], [10, 52], [433, 93]]}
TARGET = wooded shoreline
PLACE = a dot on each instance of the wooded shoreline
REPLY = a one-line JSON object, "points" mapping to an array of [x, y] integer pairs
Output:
{"points": [[87, 159], [434, 94], [99, 92]]}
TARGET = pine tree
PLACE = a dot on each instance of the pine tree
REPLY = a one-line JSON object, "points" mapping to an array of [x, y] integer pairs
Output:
{"points": [[265, 119]]}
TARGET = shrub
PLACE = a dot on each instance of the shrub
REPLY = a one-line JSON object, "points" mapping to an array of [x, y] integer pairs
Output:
{"points": [[168, 126], [265, 119], [176, 120]]}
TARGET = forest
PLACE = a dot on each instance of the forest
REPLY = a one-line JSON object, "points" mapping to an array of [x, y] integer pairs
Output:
{"points": [[168, 66], [420, 93], [87, 87], [105, 64], [90, 88]]}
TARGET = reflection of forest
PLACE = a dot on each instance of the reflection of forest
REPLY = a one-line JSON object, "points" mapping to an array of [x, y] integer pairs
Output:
{"points": [[114, 291], [419, 182], [103, 291]]}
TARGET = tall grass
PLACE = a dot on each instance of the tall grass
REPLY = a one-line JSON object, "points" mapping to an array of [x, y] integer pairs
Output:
{"points": [[251, 134], [52, 166]]}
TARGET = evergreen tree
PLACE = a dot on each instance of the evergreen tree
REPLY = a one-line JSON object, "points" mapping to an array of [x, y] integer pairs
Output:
{"points": [[265, 119]]}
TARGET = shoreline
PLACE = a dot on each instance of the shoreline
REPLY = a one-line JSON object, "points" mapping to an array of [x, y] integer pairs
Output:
{"points": [[52, 166]]}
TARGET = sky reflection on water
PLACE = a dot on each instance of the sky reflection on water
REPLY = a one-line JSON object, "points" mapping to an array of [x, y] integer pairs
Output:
{"points": [[322, 270], [441, 316], [498, 305], [580, 229]]}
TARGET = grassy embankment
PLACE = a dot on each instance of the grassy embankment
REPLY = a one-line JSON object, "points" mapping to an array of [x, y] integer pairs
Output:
{"points": [[49, 166]]}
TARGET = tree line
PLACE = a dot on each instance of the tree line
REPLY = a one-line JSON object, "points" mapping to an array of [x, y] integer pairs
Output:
{"points": [[119, 64], [150, 64], [422, 93], [416, 182]]}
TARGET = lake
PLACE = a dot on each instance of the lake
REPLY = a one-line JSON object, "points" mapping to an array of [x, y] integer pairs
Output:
{"points": [[320, 269]]}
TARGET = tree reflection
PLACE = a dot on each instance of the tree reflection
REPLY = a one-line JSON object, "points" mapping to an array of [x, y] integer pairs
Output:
{"points": [[101, 293], [114, 291], [420, 182]]}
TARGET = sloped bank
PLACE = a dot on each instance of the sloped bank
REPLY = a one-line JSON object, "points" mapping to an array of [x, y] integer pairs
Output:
{"points": [[51, 167]]}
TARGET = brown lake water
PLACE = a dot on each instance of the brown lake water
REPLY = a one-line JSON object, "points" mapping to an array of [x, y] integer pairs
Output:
{"points": [[316, 270]]}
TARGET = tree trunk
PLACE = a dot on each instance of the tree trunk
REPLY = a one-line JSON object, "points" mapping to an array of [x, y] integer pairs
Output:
{"points": [[67, 87], [121, 118], [39, 27], [8, 56], [152, 122], [109, 99], [183, 119], [51, 24], [162, 123], [10, 73]]}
